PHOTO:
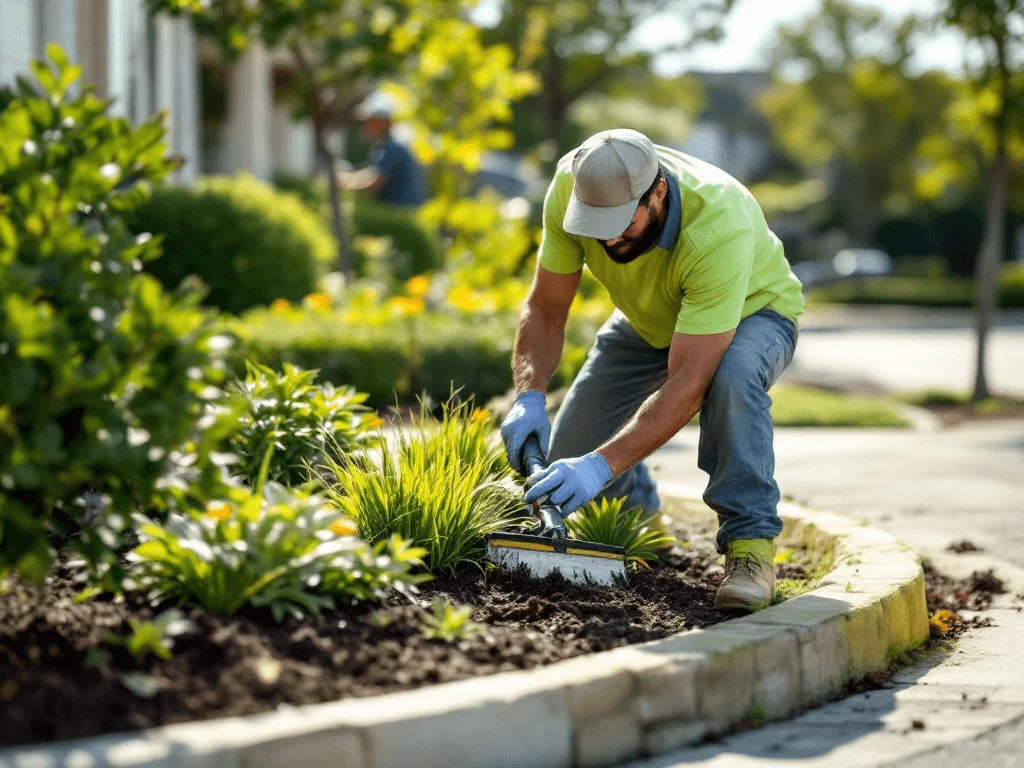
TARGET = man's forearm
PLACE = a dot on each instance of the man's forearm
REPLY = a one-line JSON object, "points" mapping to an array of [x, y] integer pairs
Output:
{"points": [[538, 348], [655, 422]]}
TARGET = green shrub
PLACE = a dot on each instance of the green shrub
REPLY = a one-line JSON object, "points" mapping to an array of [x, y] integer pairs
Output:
{"points": [[249, 243], [152, 637], [439, 489], [103, 375], [414, 251], [794, 406], [272, 548], [605, 522], [922, 291], [300, 419], [429, 353]]}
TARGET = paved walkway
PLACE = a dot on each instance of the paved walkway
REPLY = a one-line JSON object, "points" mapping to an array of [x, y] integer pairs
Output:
{"points": [[906, 349], [930, 489]]}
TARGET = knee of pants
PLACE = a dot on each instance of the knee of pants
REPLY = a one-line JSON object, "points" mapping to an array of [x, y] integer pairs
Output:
{"points": [[735, 384]]}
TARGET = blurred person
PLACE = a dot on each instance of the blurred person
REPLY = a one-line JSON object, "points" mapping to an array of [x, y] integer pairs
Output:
{"points": [[705, 319], [391, 172]]}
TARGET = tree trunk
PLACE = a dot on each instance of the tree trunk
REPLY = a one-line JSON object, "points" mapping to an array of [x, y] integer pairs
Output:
{"points": [[990, 258], [337, 220]]}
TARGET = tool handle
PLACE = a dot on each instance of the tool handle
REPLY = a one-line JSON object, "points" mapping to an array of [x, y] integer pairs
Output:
{"points": [[548, 514], [533, 457]]}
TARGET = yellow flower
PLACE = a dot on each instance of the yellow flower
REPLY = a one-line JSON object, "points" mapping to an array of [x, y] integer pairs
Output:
{"points": [[350, 316], [375, 422], [281, 305], [941, 620], [218, 510], [418, 286], [462, 298], [407, 306], [480, 414], [343, 527], [318, 300]]}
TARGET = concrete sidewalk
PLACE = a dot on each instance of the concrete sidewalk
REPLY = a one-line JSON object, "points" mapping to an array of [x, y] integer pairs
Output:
{"points": [[905, 349], [929, 489]]}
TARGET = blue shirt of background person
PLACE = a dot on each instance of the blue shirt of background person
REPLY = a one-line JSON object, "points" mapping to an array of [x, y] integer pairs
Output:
{"points": [[400, 171], [391, 172]]}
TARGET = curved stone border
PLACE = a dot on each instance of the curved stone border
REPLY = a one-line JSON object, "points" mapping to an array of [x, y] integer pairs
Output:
{"points": [[592, 710]]}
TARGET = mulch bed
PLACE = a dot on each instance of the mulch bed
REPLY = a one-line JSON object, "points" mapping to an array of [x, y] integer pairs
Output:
{"points": [[55, 685]]}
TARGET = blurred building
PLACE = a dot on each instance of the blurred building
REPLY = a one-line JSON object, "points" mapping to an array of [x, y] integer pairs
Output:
{"points": [[221, 118]]}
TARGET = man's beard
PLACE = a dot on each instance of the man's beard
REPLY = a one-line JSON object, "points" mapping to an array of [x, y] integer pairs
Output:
{"points": [[628, 250]]}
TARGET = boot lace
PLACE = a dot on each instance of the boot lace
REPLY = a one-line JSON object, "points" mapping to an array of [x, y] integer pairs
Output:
{"points": [[748, 564]]}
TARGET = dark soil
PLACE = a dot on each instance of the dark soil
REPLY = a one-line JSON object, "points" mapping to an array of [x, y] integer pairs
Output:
{"points": [[962, 546], [59, 680]]}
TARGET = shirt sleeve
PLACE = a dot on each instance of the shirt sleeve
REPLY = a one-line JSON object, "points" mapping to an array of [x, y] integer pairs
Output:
{"points": [[715, 290], [560, 252], [386, 158]]}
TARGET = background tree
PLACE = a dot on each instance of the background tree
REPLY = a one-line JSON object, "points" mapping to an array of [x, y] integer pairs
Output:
{"points": [[994, 103], [578, 46], [343, 48], [844, 101]]}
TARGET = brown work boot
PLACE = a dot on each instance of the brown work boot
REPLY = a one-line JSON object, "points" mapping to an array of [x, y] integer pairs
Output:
{"points": [[749, 581]]}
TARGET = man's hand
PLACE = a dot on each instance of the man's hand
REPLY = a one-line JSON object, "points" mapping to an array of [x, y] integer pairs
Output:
{"points": [[528, 416], [569, 483]]}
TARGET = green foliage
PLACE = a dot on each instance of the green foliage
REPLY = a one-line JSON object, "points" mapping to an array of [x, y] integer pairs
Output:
{"points": [[794, 406], [271, 548], [605, 522], [439, 488], [413, 251], [103, 375], [857, 77], [381, 360], [300, 419], [448, 623], [921, 291], [249, 243], [152, 637]]}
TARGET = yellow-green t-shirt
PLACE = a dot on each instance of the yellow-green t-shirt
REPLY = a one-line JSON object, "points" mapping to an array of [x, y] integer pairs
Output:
{"points": [[725, 264]]}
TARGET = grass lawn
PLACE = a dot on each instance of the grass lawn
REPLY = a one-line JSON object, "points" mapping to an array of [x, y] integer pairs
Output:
{"points": [[794, 406]]}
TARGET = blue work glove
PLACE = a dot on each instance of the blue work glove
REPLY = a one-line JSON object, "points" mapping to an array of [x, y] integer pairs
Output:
{"points": [[527, 417], [569, 483]]}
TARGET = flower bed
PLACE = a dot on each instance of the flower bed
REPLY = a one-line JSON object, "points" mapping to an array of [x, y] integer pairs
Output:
{"points": [[61, 680]]}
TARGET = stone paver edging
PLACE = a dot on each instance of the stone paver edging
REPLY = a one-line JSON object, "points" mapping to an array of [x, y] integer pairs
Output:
{"points": [[592, 710]]}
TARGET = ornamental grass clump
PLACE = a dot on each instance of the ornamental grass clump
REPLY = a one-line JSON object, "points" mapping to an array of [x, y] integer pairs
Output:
{"points": [[274, 548], [300, 419], [605, 522], [443, 487]]}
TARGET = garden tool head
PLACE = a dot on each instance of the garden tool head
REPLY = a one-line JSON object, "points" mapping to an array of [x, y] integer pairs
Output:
{"points": [[547, 549]]}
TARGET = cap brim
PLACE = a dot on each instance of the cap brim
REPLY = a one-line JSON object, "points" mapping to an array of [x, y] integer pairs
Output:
{"points": [[600, 223]]}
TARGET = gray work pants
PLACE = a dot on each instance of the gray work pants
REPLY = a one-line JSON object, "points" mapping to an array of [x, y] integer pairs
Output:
{"points": [[735, 449]]}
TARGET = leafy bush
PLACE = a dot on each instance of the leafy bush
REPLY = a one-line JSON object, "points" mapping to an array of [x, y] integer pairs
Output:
{"points": [[403, 356], [605, 522], [413, 249], [922, 291], [103, 374], [272, 549], [249, 243], [440, 490], [300, 419], [447, 623]]}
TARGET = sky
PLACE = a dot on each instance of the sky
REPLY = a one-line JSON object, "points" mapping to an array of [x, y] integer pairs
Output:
{"points": [[750, 28]]}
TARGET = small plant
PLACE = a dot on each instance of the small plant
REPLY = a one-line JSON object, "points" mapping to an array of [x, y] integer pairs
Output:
{"points": [[605, 522], [443, 488], [448, 623], [300, 419], [273, 548], [151, 637]]}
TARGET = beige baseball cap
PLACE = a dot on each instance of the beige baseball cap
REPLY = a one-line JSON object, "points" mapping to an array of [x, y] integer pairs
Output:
{"points": [[611, 171]]}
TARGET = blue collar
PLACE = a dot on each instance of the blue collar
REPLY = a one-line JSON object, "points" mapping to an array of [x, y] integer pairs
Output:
{"points": [[670, 234]]}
